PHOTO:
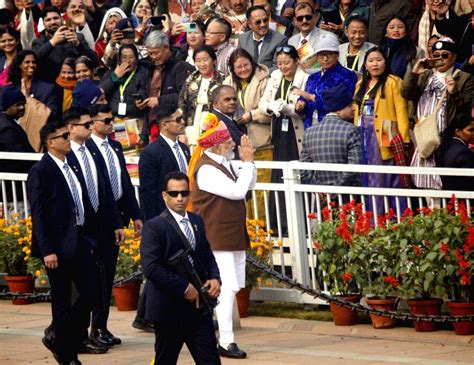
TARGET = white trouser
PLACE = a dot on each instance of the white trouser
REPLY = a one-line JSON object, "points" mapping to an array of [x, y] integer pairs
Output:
{"points": [[232, 269]]}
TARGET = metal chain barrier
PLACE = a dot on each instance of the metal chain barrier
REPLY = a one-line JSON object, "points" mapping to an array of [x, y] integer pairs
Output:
{"points": [[293, 284], [46, 297]]}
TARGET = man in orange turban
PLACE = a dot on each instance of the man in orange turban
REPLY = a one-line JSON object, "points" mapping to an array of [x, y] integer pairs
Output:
{"points": [[218, 195]]}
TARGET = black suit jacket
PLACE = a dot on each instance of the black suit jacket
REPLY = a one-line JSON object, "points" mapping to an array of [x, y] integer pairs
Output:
{"points": [[460, 156], [107, 218], [165, 289], [127, 204], [52, 211], [13, 139], [156, 161]]}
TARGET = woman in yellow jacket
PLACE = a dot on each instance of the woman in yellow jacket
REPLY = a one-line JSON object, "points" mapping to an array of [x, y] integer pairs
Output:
{"points": [[381, 114]]}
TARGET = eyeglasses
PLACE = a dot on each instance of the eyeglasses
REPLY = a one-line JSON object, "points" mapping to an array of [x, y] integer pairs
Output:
{"points": [[444, 55], [209, 32], [305, 17], [86, 125], [284, 49], [105, 120], [262, 21], [175, 193], [64, 136]]}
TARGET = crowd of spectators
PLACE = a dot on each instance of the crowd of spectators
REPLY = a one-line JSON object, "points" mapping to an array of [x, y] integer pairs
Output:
{"points": [[401, 61]]}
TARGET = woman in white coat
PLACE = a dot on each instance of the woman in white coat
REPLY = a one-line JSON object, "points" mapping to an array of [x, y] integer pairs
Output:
{"points": [[279, 99]]}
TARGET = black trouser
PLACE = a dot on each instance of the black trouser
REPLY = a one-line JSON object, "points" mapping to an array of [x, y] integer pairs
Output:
{"points": [[141, 308], [107, 262], [198, 335], [70, 320]]}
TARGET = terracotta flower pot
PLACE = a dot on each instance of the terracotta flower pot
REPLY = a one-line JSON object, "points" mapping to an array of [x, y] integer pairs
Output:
{"points": [[243, 301], [21, 284], [126, 295], [343, 316], [462, 309], [425, 306], [379, 321]]}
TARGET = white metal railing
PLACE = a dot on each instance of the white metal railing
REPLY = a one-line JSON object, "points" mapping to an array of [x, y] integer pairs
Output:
{"points": [[292, 226]]}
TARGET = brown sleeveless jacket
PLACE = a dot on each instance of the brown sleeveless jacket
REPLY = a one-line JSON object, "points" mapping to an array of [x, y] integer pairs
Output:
{"points": [[224, 219]]}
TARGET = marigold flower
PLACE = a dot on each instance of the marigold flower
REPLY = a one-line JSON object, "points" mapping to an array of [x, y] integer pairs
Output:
{"points": [[268, 282], [37, 273]]}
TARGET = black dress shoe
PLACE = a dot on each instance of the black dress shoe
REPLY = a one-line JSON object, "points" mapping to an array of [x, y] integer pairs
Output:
{"points": [[232, 351], [89, 347], [141, 324], [98, 337], [49, 342], [115, 340], [72, 362]]}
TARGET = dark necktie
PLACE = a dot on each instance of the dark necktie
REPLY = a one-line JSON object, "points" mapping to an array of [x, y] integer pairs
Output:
{"points": [[189, 235], [182, 164], [257, 51]]}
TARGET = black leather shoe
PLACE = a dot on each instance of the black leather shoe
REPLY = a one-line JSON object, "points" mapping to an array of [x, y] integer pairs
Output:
{"points": [[115, 340], [104, 337], [141, 324], [89, 347], [232, 351], [49, 342], [72, 362]]}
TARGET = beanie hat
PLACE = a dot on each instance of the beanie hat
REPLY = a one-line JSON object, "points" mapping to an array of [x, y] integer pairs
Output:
{"points": [[86, 93], [444, 43], [337, 98], [11, 95], [327, 42]]}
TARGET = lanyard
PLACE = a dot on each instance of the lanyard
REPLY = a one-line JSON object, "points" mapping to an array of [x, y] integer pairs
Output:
{"points": [[125, 84], [240, 95], [356, 60], [341, 14], [282, 90], [367, 93]]}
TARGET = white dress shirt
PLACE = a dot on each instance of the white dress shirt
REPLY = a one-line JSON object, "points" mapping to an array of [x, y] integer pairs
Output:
{"points": [[98, 141], [171, 144], [74, 177], [75, 148], [178, 218], [214, 181]]}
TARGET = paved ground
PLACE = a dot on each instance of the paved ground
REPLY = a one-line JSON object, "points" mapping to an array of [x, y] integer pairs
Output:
{"points": [[267, 341]]}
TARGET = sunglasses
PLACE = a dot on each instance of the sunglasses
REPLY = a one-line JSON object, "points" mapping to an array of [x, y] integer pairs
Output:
{"points": [[305, 17], [105, 120], [86, 125], [175, 193], [64, 136], [444, 56], [284, 49], [262, 21]]}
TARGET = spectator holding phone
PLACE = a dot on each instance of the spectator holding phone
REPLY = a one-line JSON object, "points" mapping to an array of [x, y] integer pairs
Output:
{"points": [[109, 21], [56, 43], [122, 34], [121, 84], [437, 81], [142, 12], [336, 16]]}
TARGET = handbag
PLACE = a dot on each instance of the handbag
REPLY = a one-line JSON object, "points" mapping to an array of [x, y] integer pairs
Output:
{"points": [[427, 135], [426, 131]]}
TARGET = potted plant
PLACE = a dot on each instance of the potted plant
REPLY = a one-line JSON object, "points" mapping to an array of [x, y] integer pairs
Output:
{"points": [[15, 250], [332, 242], [261, 248], [128, 262], [457, 251], [375, 261]]}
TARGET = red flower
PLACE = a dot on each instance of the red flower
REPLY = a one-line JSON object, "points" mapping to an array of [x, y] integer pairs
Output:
{"points": [[326, 214], [466, 280], [426, 242], [463, 264], [381, 221], [395, 227], [362, 225], [407, 213], [347, 276], [390, 214], [470, 238], [344, 232], [417, 250], [462, 211], [332, 204], [316, 245], [444, 248], [312, 215], [451, 204], [391, 280]]}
